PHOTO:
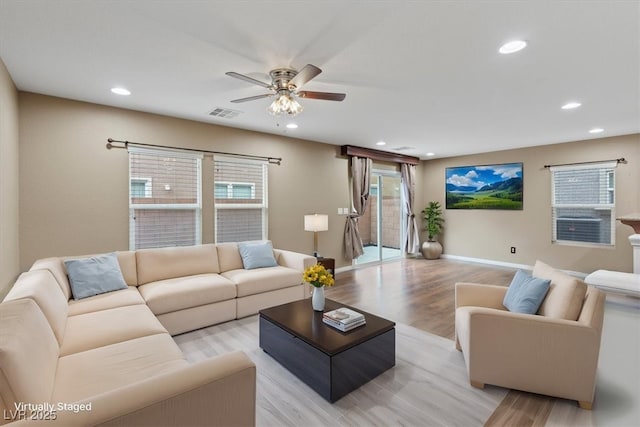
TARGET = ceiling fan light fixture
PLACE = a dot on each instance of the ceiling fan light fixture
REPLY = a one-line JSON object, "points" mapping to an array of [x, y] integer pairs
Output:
{"points": [[284, 103]]}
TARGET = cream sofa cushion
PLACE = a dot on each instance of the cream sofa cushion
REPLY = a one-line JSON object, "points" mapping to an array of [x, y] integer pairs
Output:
{"points": [[229, 257], [168, 263], [92, 372], [28, 354], [165, 296], [125, 297], [566, 293], [126, 259], [104, 327], [250, 282], [42, 287]]}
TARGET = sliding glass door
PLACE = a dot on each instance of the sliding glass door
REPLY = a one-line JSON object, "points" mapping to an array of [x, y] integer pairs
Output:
{"points": [[381, 225]]}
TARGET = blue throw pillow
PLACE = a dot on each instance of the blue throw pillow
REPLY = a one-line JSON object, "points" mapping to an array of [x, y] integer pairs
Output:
{"points": [[525, 293], [257, 255], [94, 275]]}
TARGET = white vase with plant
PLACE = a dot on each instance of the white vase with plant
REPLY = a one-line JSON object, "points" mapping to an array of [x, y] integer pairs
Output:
{"points": [[318, 277]]}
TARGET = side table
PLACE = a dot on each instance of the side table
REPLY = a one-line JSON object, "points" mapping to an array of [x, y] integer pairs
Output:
{"points": [[329, 264]]}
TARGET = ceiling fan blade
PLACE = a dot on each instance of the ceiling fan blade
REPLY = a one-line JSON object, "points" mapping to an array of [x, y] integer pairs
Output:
{"points": [[247, 79], [252, 98], [307, 73], [327, 96]]}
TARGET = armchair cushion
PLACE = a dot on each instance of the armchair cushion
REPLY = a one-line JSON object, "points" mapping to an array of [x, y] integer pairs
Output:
{"points": [[566, 293], [525, 294]]}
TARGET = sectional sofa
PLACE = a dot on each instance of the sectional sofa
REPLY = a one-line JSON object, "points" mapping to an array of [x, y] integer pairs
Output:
{"points": [[109, 359]]}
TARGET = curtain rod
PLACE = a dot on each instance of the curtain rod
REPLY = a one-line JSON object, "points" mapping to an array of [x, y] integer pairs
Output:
{"points": [[126, 144], [620, 160]]}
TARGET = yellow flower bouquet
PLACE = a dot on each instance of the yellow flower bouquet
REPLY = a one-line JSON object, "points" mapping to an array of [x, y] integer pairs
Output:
{"points": [[318, 276]]}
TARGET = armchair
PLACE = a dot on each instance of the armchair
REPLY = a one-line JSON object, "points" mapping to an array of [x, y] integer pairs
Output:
{"points": [[535, 353]]}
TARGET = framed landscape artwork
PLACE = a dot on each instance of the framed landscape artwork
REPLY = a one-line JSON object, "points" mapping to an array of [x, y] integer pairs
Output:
{"points": [[484, 187]]}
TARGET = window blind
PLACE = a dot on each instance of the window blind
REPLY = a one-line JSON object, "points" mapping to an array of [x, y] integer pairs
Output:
{"points": [[165, 205], [240, 199], [583, 203]]}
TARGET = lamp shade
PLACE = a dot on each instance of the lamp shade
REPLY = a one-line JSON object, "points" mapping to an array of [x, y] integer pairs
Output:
{"points": [[316, 222]]}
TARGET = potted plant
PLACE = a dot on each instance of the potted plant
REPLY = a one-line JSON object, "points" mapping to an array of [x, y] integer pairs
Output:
{"points": [[432, 249]]}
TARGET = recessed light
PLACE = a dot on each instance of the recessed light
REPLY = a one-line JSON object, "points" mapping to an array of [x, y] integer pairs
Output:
{"points": [[120, 91], [431, 154], [512, 46], [292, 126], [596, 130], [571, 105], [381, 143]]}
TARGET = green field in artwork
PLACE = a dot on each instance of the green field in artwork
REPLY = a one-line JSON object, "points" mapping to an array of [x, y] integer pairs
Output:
{"points": [[485, 200]]}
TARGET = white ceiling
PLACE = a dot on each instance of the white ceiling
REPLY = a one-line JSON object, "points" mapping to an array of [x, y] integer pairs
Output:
{"points": [[425, 75]]}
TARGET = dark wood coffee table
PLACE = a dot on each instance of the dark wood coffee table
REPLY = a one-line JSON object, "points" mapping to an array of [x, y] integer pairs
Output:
{"points": [[331, 362]]}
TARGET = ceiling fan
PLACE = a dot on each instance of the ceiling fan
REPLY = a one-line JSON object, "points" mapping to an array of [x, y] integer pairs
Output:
{"points": [[285, 85]]}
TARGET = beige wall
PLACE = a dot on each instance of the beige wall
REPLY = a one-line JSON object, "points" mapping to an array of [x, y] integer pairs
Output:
{"points": [[489, 234], [75, 191], [9, 217]]}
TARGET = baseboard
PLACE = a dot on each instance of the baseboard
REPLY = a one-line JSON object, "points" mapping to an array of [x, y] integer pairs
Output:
{"points": [[343, 269], [356, 266], [470, 259], [578, 274], [488, 262]]}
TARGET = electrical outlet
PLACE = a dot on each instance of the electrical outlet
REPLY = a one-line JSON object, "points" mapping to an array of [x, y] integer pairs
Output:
{"points": [[513, 249]]}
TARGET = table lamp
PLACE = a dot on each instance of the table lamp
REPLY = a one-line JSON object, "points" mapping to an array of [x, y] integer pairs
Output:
{"points": [[315, 223]]}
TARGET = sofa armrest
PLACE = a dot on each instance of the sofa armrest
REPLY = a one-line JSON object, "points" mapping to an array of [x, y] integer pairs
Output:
{"points": [[543, 355], [475, 294], [216, 391], [294, 260]]}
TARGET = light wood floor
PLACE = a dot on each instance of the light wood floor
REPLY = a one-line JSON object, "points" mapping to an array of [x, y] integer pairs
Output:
{"points": [[420, 293], [416, 292], [421, 390]]}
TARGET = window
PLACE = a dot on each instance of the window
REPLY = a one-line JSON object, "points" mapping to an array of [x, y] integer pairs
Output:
{"points": [[583, 204], [240, 199], [235, 190], [164, 198], [141, 188]]}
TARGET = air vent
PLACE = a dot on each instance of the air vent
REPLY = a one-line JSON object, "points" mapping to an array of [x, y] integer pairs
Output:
{"points": [[224, 113], [403, 148]]}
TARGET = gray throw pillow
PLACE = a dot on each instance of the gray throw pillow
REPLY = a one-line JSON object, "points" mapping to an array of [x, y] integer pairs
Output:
{"points": [[94, 275], [257, 255]]}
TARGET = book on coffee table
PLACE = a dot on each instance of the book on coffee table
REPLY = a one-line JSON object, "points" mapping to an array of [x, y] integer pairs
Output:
{"points": [[343, 319], [342, 327]]}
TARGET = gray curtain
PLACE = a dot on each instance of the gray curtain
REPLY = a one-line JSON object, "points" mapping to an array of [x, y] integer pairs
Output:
{"points": [[411, 238], [361, 176]]}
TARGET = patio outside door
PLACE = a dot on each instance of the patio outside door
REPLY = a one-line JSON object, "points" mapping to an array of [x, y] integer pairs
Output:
{"points": [[381, 225]]}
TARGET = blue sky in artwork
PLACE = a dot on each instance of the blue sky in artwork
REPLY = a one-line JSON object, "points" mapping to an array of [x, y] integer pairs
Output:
{"points": [[479, 176]]}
